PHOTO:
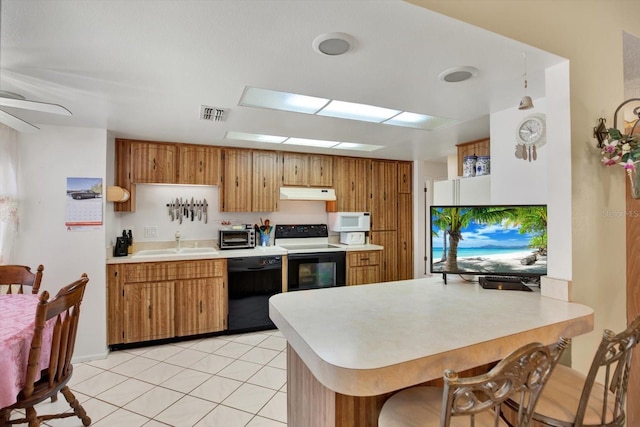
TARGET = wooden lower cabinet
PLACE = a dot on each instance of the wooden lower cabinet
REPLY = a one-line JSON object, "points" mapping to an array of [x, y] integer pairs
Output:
{"points": [[389, 261], [363, 267], [157, 300]]}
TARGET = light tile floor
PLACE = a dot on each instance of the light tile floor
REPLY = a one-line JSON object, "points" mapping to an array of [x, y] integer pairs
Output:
{"points": [[226, 381]]}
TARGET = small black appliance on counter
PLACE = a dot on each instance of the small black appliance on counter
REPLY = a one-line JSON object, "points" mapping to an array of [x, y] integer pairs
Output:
{"points": [[121, 247]]}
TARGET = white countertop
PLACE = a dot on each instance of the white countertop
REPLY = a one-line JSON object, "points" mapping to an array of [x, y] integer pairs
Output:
{"points": [[371, 339], [229, 253]]}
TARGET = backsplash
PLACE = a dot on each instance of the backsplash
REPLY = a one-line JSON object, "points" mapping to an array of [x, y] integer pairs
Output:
{"points": [[152, 211]]}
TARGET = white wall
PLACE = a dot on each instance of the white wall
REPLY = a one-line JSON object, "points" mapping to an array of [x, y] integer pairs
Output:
{"points": [[47, 158]]}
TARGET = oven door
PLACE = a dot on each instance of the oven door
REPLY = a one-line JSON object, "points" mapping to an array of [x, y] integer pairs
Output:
{"points": [[316, 270]]}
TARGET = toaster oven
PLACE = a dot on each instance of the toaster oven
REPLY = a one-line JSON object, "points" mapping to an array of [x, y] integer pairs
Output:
{"points": [[237, 237]]}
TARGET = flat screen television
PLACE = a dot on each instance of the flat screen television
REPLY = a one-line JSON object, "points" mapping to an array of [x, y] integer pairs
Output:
{"points": [[489, 240]]}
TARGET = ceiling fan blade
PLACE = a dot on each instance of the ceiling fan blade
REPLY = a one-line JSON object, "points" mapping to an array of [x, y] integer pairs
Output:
{"points": [[34, 105], [16, 123]]}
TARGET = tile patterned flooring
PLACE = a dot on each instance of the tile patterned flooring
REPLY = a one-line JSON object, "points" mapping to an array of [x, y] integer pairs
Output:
{"points": [[225, 381]]}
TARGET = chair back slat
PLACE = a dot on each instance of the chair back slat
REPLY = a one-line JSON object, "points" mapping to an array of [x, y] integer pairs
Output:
{"points": [[64, 310], [20, 276], [520, 376], [612, 361]]}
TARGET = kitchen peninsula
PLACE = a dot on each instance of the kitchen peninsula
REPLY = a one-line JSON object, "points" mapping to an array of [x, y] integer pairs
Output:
{"points": [[349, 348]]}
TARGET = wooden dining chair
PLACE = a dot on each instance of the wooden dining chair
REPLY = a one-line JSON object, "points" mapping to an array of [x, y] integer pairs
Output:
{"points": [[476, 401], [572, 399], [20, 276], [64, 311]]}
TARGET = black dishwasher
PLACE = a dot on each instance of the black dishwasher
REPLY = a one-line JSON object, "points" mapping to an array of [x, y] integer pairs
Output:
{"points": [[252, 280]]}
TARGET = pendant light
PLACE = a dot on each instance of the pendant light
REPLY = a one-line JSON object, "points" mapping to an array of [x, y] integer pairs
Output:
{"points": [[526, 103]]}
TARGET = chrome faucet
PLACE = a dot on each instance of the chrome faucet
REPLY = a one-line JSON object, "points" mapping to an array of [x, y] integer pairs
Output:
{"points": [[177, 241]]}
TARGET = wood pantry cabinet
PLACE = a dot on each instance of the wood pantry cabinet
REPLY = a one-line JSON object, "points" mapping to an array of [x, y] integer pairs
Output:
{"points": [[363, 267], [405, 236], [351, 184], [384, 195], [149, 301], [389, 261], [307, 170]]}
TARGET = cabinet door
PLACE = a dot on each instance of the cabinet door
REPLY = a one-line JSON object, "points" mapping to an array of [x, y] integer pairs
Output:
{"points": [[265, 190], [199, 165], [405, 177], [384, 195], [115, 334], [320, 171], [351, 184], [389, 262], [405, 237], [235, 193], [363, 267], [200, 306], [480, 147], [295, 169], [148, 311], [153, 163]]}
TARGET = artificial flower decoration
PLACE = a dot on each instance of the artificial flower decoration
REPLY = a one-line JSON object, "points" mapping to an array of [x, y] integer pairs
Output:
{"points": [[623, 150]]}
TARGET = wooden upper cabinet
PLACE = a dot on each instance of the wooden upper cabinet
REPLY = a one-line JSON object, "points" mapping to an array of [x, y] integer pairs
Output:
{"points": [[198, 165], [235, 192], [153, 163], [307, 170], [320, 171], [266, 189], [351, 184], [384, 195], [480, 147], [294, 169], [404, 177]]}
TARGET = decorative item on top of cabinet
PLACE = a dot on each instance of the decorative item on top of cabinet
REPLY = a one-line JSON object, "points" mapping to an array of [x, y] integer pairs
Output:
{"points": [[199, 164], [383, 202], [351, 184], [363, 267], [235, 189], [480, 147], [153, 163], [266, 181]]}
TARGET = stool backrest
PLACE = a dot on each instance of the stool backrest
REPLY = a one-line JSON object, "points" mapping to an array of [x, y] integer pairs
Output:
{"points": [[520, 376], [610, 367]]}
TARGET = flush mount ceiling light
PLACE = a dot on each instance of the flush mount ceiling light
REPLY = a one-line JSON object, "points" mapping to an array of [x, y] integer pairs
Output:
{"points": [[333, 44], [256, 137], [458, 74], [275, 100]]}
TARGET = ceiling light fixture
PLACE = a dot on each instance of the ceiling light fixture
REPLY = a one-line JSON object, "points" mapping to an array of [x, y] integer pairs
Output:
{"points": [[526, 103], [333, 44], [265, 98], [458, 74], [306, 142]]}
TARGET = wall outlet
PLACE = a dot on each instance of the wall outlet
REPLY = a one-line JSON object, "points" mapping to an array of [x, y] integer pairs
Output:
{"points": [[151, 232]]}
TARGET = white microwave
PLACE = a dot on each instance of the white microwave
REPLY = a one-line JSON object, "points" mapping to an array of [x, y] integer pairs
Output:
{"points": [[349, 221]]}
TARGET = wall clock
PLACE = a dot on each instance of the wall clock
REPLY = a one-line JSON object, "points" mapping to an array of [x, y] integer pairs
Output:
{"points": [[531, 134]]}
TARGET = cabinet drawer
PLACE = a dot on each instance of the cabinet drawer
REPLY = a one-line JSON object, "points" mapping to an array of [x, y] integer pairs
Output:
{"points": [[149, 272], [359, 259], [201, 268]]}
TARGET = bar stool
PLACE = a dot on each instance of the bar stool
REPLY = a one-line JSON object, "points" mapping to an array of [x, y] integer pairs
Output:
{"points": [[571, 399], [476, 401]]}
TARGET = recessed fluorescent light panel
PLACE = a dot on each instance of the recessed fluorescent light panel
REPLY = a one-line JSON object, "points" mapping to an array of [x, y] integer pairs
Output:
{"points": [[256, 137], [285, 101]]}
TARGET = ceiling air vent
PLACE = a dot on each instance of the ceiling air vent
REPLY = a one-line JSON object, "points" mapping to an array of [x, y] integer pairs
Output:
{"points": [[214, 114]]}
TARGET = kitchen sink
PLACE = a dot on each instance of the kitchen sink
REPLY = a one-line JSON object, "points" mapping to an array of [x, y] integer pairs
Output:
{"points": [[174, 252]]}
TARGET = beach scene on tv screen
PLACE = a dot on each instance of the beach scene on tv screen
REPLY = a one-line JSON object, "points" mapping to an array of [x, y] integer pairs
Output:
{"points": [[489, 240]]}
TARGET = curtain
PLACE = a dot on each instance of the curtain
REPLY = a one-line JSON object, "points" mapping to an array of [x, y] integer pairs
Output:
{"points": [[8, 192]]}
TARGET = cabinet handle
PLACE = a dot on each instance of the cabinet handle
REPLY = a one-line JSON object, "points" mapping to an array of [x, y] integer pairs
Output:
{"points": [[200, 306], [150, 311], [364, 259], [321, 170], [404, 178], [200, 165], [264, 182], [404, 245], [353, 185], [295, 168], [236, 181], [154, 164]]}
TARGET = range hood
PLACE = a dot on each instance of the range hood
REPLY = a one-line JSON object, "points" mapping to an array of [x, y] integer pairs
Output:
{"points": [[306, 193]]}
